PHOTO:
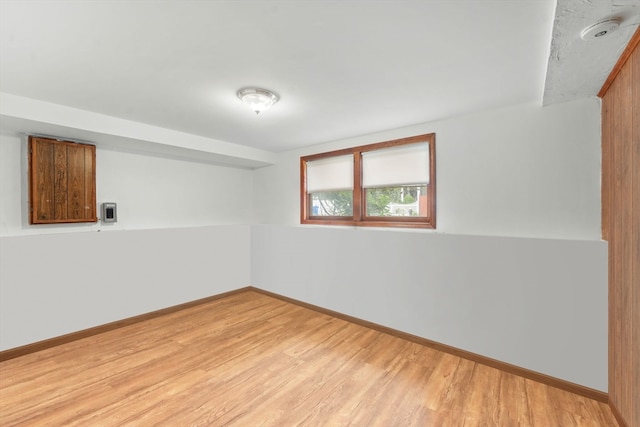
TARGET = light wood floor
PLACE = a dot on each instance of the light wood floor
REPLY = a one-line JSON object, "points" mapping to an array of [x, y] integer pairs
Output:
{"points": [[252, 360]]}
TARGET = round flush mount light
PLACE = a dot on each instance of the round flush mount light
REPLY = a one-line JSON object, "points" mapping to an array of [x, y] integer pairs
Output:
{"points": [[257, 99], [600, 29]]}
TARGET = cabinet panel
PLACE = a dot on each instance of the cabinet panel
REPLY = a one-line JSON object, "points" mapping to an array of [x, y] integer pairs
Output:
{"points": [[41, 182], [90, 183], [61, 181]]}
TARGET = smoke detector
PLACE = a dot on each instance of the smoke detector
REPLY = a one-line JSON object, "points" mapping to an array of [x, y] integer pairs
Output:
{"points": [[599, 30]]}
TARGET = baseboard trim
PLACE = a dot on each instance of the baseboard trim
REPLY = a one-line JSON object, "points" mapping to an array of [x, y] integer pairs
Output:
{"points": [[503, 366], [73, 336], [517, 370], [616, 413]]}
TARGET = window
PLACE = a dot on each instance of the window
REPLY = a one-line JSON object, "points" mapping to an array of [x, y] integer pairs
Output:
{"points": [[388, 184], [62, 181]]}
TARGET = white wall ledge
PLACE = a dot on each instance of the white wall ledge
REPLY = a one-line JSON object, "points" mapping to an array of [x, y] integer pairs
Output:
{"points": [[25, 115]]}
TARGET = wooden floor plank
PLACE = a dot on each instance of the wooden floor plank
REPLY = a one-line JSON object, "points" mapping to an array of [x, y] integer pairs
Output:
{"points": [[252, 360]]}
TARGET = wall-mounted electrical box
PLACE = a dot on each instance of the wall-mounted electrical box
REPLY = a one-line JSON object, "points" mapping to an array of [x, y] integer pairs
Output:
{"points": [[109, 212]]}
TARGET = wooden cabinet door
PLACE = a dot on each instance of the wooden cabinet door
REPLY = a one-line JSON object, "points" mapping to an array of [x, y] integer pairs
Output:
{"points": [[62, 184]]}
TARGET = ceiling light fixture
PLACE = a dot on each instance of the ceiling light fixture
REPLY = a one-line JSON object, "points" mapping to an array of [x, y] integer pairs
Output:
{"points": [[257, 99], [600, 29]]}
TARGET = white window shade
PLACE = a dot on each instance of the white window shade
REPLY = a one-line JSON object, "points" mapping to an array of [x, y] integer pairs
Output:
{"points": [[331, 174], [396, 166]]}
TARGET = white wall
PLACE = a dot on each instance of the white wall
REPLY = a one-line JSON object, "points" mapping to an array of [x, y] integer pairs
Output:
{"points": [[536, 303], [182, 234], [520, 171], [515, 271], [151, 192], [53, 284]]}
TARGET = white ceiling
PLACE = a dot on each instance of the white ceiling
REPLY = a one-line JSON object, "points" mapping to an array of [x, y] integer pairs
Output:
{"points": [[342, 68], [578, 68]]}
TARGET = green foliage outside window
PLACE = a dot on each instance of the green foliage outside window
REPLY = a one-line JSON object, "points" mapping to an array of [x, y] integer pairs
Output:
{"points": [[332, 203], [340, 203]]}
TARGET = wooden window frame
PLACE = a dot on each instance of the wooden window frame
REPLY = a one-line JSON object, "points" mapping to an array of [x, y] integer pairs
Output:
{"points": [[55, 184], [359, 219]]}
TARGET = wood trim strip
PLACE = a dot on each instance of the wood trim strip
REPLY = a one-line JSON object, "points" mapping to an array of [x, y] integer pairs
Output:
{"points": [[617, 415], [626, 54], [621, 227], [74, 336], [503, 366], [304, 199]]}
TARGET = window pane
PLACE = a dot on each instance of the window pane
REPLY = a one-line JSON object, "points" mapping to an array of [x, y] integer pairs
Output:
{"points": [[397, 201], [332, 203]]}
